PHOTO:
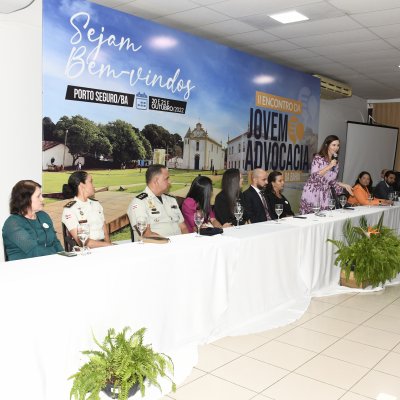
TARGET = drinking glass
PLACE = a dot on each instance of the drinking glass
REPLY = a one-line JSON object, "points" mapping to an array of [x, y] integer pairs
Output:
{"points": [[83, 232], [238, 213], [198, 220], [316, 207], [331, 205], [343, 201], [278, 210], [370, 198], [396, 196], [391, 197], [141, 224]]}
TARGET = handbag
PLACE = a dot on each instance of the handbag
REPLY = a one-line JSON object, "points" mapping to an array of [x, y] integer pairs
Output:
{"points": [[211, 231]]}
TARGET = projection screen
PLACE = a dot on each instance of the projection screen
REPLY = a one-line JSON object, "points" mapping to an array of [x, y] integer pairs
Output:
{"points": [[368, 148]]}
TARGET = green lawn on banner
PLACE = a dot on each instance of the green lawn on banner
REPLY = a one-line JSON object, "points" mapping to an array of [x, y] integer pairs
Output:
{"points": [[128, 178], [132, 180]]}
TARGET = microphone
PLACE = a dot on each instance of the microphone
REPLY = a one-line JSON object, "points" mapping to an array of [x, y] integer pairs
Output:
{"points": [[334, 157]]}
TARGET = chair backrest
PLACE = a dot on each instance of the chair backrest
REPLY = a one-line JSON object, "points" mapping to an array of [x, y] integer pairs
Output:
{"points": [[5, 253], [132, 233], [69, 241], [180, 200]]}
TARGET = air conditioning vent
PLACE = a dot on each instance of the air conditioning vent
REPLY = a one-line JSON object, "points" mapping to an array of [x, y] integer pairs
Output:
{"points": [[331, 89]]}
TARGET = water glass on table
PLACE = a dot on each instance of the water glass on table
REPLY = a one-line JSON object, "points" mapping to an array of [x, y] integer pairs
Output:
{"points": [[278, 210], [83, 232], [370, 198], [343, 201], [391, 197], [238, 213], [198, 220], [316, 207], [141, 225], [331, 205]]}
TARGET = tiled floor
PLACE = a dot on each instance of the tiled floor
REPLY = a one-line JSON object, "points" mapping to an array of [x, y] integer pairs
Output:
{"points": [[345, 347]]}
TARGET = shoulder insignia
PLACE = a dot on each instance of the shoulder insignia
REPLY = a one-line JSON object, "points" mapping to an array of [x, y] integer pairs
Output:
{"points": [[169, 195], [93, 199], [70, 204], [142, 196]]}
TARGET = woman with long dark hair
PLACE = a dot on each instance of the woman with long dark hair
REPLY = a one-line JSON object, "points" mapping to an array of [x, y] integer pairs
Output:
{"points": [[84, 208], [273, 195], [362, 190], [199, 198], [230, 195], [28, 231], [323, 177]]}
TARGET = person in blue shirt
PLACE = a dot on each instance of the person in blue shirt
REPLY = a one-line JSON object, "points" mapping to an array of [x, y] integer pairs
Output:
{"points": [[28, 231]]}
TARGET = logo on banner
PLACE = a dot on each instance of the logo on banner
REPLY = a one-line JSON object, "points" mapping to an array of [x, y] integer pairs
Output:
{"points": [[275, 136], [141, 101]]}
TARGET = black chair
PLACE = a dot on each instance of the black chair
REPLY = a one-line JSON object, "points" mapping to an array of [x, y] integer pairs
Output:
{"points": [[132, 233], [69, 241], [5, 253], [180, 200]]}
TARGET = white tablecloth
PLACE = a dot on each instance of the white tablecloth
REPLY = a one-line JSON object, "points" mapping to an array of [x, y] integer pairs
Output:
{"points": [[188, 292]]}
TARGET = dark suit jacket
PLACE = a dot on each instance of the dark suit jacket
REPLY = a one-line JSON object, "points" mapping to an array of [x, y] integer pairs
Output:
{"points": [[254, 206], [382, 191]]}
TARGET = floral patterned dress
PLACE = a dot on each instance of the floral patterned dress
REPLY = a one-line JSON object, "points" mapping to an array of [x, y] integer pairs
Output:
{"points": [[318, 187]]}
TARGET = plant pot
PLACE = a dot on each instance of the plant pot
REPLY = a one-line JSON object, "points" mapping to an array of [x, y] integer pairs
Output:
{"points": [[109, 391], [351, 282]]}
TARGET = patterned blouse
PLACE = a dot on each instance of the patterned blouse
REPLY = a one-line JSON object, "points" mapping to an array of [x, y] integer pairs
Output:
{"points": [[318, 187]]}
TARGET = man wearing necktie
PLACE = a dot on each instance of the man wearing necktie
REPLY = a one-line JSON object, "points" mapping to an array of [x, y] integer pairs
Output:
{"points": [[255, 202]]}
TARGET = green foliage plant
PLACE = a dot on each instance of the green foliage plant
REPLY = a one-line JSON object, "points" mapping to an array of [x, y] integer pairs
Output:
{"points": [[122, 361], [372, 251]]}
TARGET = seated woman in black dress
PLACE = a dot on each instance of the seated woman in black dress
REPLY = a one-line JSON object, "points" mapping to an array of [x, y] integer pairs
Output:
{"points": [[273, 194], [230, 195]]}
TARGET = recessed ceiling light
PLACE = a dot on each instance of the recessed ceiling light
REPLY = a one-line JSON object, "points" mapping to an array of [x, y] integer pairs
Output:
{"points": [[289, 17]]}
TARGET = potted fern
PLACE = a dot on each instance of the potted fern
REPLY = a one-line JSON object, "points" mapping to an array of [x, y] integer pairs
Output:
{"points": [[120, 367], [369, 255]]}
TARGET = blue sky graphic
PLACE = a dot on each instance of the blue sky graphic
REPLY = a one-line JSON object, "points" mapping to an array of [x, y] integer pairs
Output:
{"points": [[223, 78]]}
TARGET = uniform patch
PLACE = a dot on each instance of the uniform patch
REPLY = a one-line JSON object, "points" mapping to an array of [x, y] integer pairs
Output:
{"points": [[142, 196], [70, 204]]}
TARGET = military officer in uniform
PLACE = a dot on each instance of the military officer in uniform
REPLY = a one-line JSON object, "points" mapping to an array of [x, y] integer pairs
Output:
{"points": [[162, 213], [84, 209]]}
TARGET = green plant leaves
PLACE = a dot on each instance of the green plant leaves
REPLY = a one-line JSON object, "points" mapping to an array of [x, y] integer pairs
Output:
{"points": [[123, 361], [373, 252]]}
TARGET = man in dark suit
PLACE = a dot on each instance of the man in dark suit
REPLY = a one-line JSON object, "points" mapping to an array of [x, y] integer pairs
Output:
{"points": [[383, 188], [255, 203]]}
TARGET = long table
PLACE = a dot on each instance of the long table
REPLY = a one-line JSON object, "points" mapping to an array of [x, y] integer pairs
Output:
{"points": [[188, 292]]}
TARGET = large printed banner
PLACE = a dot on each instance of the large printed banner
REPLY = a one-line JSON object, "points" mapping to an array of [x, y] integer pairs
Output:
{"points": [[106, 65]]}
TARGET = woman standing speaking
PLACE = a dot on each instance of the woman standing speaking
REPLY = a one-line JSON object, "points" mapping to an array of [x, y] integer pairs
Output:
{"points": [[323, 177]]}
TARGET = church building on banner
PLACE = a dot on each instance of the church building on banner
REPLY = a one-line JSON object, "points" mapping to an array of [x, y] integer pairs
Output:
{"points": [[236, 152], [200, 151]]}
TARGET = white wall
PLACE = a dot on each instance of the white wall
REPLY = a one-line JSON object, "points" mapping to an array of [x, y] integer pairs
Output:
{"points": [[333, 117], [20, 100]]}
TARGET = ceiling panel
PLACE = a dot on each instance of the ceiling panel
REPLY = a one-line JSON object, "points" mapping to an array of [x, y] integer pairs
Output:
{"points": [[362, 6], [275, 46], [378, 18], [336, 38], [357, 41], [387, 31], [193, 17], [352, 48]]}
